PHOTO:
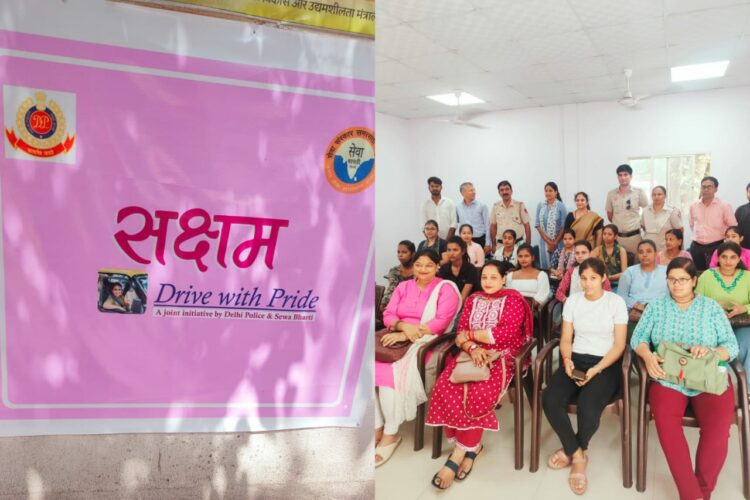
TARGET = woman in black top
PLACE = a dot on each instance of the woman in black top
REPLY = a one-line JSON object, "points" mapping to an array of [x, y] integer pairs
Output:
{"points": [[458, 269]]}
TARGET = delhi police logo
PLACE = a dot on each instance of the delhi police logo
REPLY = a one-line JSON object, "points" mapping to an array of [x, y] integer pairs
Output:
{"points": [[350, 160], [41, 128]]}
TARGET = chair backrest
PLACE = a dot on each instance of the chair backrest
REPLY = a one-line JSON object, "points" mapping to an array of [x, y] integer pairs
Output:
{"points": [[379, 292], [631, 258]]}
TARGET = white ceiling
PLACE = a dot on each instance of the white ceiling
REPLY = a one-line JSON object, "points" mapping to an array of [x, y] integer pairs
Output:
{"points": [[525, 53]]}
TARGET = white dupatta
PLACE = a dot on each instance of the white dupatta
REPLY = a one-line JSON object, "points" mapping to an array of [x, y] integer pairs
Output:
{"points": [[408, 384]]}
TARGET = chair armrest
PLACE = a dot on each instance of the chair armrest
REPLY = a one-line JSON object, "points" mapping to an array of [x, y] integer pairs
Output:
{"points": [[542, 357], [741, 375], [430, 346], [519, 359]]}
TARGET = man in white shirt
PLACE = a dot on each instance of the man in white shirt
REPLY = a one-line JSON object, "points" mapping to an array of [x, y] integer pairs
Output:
{"points": [[442, 210], [624, 209]]}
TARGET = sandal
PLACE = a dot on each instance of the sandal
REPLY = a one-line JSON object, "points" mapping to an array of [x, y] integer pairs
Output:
{"points": [[577, 480], [558, 460], [436, 479], [386, 452], [471, 455]]}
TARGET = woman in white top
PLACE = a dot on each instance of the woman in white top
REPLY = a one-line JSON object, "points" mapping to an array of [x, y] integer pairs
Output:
{"points": [[659, 218], [589, 372], [527, 279], [473, 250]]}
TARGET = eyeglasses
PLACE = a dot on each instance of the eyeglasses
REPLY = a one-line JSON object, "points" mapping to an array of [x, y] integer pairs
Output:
{"points": [[628, 204], [678, 281]]}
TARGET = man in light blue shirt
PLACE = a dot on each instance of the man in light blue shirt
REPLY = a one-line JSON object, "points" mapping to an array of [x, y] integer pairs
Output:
{"points": [[470, 211]]}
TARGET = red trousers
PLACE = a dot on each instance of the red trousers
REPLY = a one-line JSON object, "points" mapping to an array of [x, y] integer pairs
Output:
{"points": [[714, 414], [469, 439]]}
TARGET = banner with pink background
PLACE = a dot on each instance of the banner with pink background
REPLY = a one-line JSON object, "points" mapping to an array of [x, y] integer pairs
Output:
{"points": [[183, 239]]}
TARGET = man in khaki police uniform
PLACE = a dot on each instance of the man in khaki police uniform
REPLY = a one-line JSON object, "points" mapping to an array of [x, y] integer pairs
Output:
{"points": [[508, 214]]}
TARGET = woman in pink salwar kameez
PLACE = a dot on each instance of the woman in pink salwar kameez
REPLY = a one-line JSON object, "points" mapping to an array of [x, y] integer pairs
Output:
{"points": [[419, 310], [495, 319]]}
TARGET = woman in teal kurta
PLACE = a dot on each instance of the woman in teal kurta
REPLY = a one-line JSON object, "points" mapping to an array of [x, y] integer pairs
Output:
{"points": [[729, 285], [701, 325]]}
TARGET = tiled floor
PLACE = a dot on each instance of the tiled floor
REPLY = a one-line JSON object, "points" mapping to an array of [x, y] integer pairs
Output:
{"points": [[407, 475]]}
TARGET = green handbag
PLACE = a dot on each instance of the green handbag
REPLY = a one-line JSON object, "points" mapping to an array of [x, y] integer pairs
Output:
{"points": [[706, 374]]}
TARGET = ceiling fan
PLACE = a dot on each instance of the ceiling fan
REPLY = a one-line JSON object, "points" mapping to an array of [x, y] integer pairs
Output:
{"points": [[459, 119], [628, 100]]}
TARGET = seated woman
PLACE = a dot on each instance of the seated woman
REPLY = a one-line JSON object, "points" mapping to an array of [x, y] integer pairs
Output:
{"points": [[508, 252], [729, 285], [527, 279], [700, 323], [473, 250], [402, 272], [732, 234], [117, 301], [495, 319], [571, 280], [599, 320], [458, 269], [642, 283], [432, 241], [673, 247], [566, 259], [614, 257], [419, 310]]}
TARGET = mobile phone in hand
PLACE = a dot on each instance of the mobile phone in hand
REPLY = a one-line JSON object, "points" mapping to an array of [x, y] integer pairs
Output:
{"points": [[578, 375]]}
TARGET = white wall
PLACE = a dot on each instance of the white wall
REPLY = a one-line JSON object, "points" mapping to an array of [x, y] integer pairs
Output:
{"points": [[576, 145]]}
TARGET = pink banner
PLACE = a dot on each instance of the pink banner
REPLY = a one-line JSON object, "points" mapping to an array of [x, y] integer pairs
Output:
{"points": [[194, 239]]}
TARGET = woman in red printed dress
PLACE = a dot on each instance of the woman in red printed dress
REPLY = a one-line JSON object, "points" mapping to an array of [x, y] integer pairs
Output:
{"points": [[495, 319]]}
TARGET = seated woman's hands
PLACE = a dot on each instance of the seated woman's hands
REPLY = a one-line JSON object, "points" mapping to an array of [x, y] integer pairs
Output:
{"points": [[569, 367], [412, 332], [653, 365], [698, 351], [735, 309], [392, 338], [479, 356]]}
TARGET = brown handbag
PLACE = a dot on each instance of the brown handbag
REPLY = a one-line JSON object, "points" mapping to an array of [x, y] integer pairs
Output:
{"points": [[467, 371], [391, 353], [740, 320]]}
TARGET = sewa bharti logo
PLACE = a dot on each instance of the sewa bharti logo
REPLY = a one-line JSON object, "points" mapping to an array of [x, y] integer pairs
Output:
{"points": [[41, 129], [349, 160]]}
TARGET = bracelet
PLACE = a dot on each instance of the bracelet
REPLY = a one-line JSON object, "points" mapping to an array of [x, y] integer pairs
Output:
{"points": [[471, 335], [463, 344], [470, 347]]}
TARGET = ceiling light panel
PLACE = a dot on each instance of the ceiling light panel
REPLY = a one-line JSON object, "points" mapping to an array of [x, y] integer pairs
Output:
{"points": [[456, 99], [699, 71]]}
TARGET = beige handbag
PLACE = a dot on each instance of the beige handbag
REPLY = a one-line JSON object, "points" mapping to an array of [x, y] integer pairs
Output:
{"points": [[467, 371]]}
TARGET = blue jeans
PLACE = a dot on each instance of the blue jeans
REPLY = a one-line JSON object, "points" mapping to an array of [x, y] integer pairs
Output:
{"points": [[743, 339]]}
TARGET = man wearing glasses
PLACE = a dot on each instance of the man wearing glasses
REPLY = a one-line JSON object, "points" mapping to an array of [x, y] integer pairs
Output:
{"points": [[624, 209], [709, 218]]}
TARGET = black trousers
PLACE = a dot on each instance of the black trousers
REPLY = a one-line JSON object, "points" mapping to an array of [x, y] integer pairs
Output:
{"points": [[590, 400], [702, 253], [480, 240]]}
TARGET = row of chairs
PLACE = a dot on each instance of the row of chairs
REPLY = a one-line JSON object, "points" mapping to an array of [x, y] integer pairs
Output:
{"points": [[533, 383]]}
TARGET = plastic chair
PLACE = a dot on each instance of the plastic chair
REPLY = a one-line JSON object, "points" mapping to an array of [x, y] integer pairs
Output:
{"points": [[515, 393], [620, 406], [741, 420], [379, 292]]}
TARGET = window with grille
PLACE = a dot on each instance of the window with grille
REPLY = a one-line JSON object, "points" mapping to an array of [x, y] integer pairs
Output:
{"points": [[680, 174]]}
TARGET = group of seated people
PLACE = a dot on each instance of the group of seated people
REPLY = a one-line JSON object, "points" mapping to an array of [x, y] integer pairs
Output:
{"points": [[607, 304]]}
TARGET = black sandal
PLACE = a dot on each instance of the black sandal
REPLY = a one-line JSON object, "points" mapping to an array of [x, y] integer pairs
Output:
{"points": [[471, 455], [452, 466]]}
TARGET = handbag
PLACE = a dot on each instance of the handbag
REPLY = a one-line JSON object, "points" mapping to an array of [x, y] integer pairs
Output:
{"points": [[706, 374], [740, 321], [391, 353], [467, 371]]}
